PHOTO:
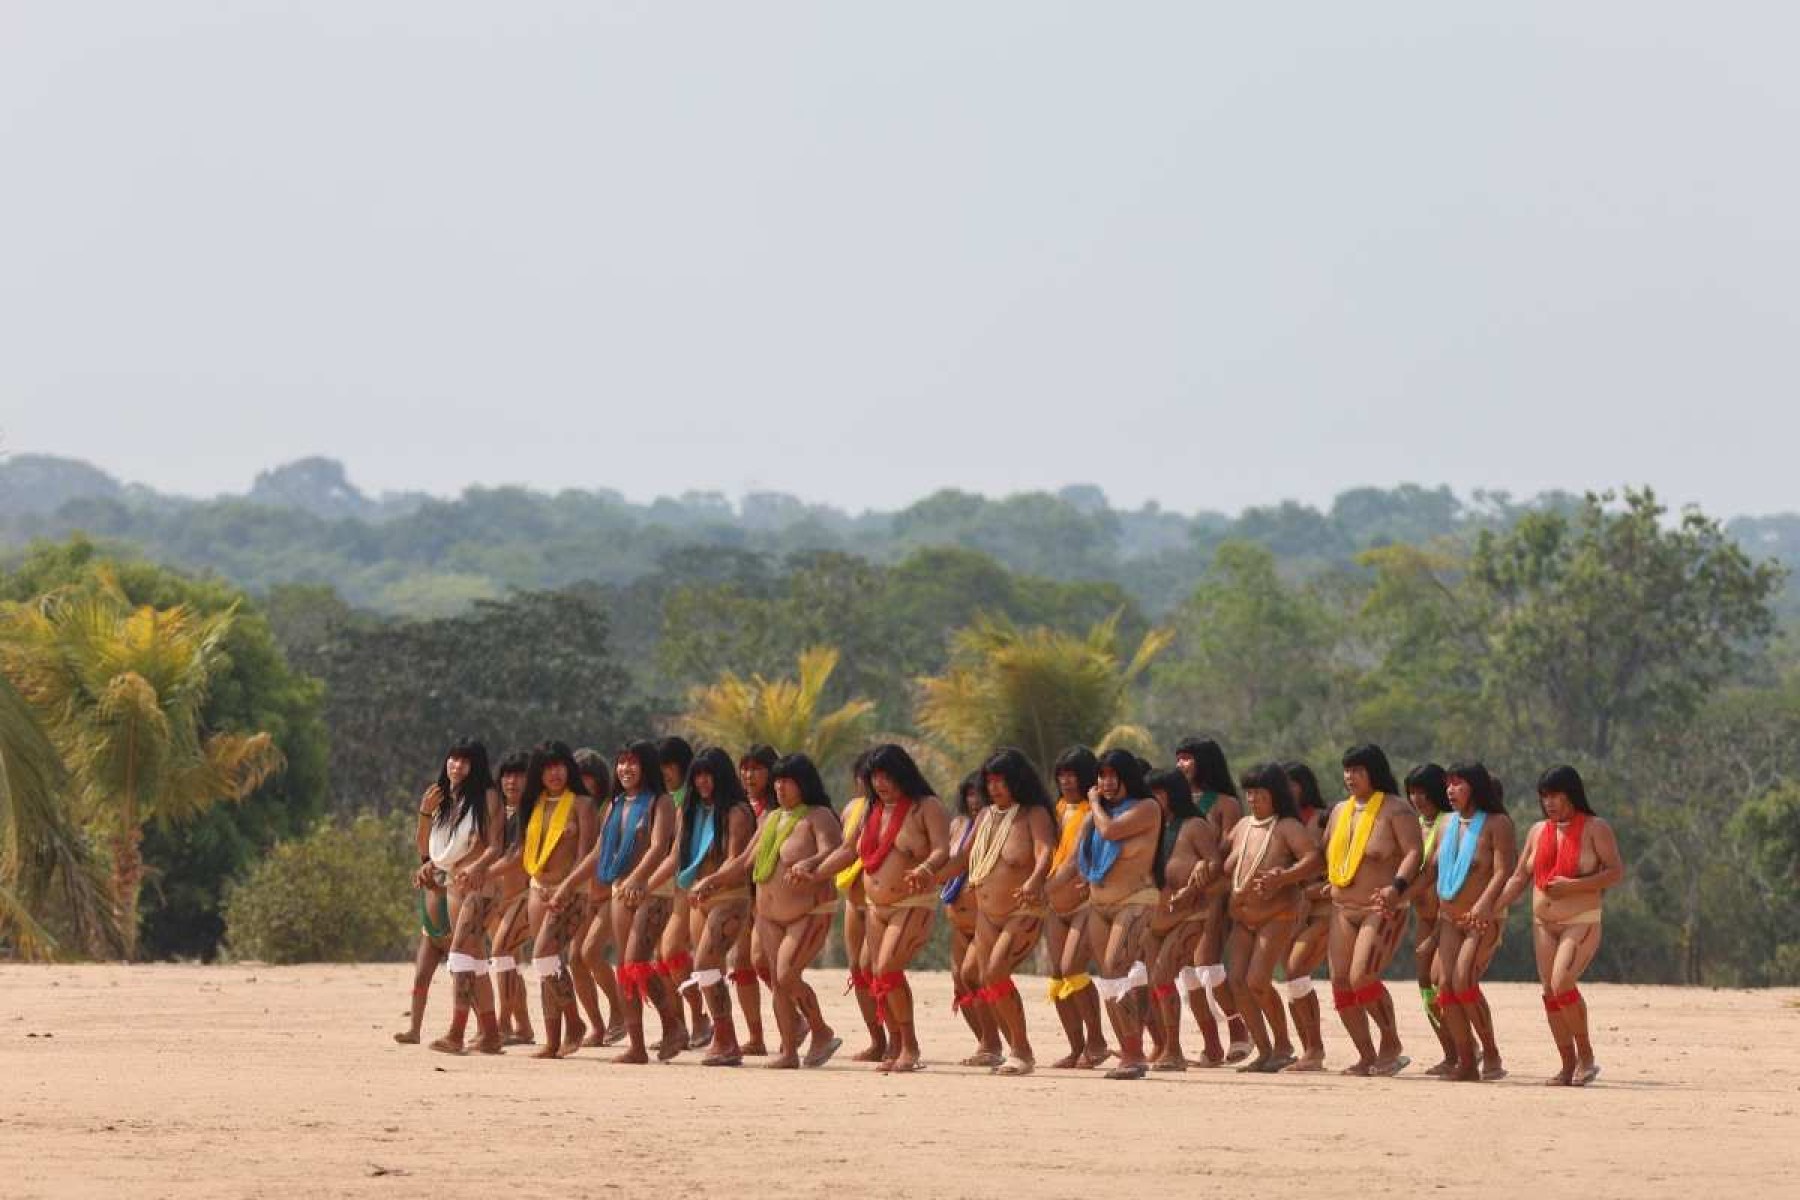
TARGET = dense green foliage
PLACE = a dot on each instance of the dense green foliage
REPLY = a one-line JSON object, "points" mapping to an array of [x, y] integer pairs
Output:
{"points": [[1643, 647], [339, 894]]}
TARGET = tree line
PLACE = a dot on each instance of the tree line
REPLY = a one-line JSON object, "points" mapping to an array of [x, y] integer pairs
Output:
{"points": [[1643, 645]]}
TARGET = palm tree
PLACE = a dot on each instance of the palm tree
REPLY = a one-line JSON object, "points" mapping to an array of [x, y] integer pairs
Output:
{"points": [[119, 690], [736, 711], [46, 864], [1039, 689]]}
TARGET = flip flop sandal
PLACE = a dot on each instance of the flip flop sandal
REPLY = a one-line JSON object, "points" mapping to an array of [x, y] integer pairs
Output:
{"points": [[822, 1055]]}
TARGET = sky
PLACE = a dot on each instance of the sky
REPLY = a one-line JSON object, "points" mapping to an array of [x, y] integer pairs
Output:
{"points": [[1204, 254]]}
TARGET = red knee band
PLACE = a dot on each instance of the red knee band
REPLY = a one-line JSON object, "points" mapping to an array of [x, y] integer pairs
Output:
{"points": [[858, 981], [634, 978], [1370, 994], [996, 992], [675, 964], [1572, 996], [1162, 991], [880, 987], [1472, 997], [767, 976], [1343, 999], [743, 975]]}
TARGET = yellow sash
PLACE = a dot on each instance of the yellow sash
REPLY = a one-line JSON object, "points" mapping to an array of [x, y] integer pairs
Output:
{"points": [[853, 819], [990, 839], [1345, 854], [538, 848], [1069, 817]]}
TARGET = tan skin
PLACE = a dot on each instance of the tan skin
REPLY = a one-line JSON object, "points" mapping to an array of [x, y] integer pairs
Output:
{"points": [[1564, 947], [558, 904], [1206, 889], [1117, 924], [1272, 857], [715, 921], [1010, 904], [1368, 920], [638, 915], [896, 934], [1469, 935], [1307, 951], [965, 970], [1065, 939], [747, 954], [473, 909], [678, 936], [1424, 899], [1175, 931], [592, 973], [513, 923], [432, 951], [856, 951], [1226, 812], [789, 919]]}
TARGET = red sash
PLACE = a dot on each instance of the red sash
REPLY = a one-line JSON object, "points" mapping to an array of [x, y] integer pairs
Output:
{"points": [[1558, 859], [874, 844]]}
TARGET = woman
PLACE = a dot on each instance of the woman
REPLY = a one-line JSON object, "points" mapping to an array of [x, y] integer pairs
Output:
{"points": [[675, 956], [512, 926], [1179, 922], [1372, 853], [465, 838], [434, 916], [1475, 857], [793, 909], [589, 971], [715, 828], [1008, 866], [903, 846], [1307, 952], [1570, 858], [1271, 857], [1202, 760], [561, 823], [959, 909], [1065, 928], [849, 884], [1425, 792], [748, 963]]}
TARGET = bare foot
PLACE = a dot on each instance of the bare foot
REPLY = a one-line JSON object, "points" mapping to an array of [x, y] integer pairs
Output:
{"points": [[727, 1058], [1094, 1057], [874, 1052], [615, 1033], [1239, 1051], [1206, 1062], [1389, 1066], [907, 1061], [1015, 1065], [1443, 1068], [520, 1039], [1255, 1065], [1362, 1066], [1067, 1062], [408, 1039], [1277, 1063], [823, 1049], [755, 1049], [1170, 1062], [983, 1058], [1308, 1062], [594, 1038], [702, 1035], [784, 1062], [1464, 1073], [549, 1051], [670, 1046], [447, 1045], [1585, 1074], [574, 1034], [1127, 1071], [490, 1044], [568, 1049], [1492, 1068], [630, 1057]]}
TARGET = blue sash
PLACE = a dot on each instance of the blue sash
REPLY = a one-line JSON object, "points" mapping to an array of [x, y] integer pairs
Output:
{"points": [[1095, 856], [615, 847], [694, 855], [1458, 855]]}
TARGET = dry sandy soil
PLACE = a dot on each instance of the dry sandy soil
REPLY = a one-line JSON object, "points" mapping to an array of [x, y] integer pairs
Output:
{"points": [[253, 1081]]}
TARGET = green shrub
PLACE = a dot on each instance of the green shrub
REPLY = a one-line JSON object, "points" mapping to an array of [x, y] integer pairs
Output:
{"points": [[340, 894]]}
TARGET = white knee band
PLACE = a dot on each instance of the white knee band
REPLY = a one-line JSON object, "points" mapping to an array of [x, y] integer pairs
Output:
{"points": [[1212, 978], [504, 963], [703, 979], [463, 964], [1112, 989], [546, 968], [1138, 976], [1186, 980], [1298, 989]]}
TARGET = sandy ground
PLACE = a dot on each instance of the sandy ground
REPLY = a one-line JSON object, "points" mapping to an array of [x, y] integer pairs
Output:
{"points": [[253, 1081]]}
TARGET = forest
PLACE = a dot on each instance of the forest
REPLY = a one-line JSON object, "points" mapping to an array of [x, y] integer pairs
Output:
{"points": [[205, 704]]}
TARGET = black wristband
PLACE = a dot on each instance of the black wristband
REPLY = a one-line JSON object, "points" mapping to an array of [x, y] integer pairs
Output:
{"points": [[1401, 884]]}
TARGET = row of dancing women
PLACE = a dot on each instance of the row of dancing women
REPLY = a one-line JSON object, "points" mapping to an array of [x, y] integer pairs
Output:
{"points": [[1150, 891]]}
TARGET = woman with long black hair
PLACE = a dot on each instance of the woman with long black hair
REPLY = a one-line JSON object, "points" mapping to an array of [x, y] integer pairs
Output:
{"points": [[1476, 854], [675, 957], [1307, 951], [1372, 854], [960, 912], [561, 824], [1076, 772], [1425, 790], [512, 925], [465, 839], [749, 964], [1179, 922], [1570, 859], [1209, 776], [716, 827]]}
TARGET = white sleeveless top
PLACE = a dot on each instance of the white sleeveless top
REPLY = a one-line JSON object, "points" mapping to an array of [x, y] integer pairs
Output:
{"points": [[450, 844]]}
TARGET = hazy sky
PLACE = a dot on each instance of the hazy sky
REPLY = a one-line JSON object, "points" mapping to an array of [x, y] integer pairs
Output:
{"points": [[1209, 254]]}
